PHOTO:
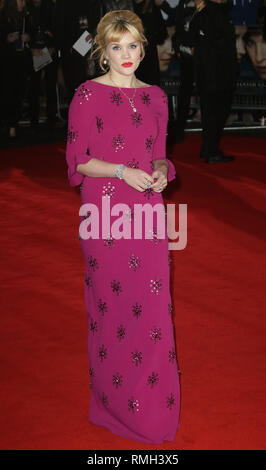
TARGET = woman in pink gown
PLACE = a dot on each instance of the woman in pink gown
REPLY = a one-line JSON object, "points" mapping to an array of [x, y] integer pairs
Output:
{"points": [[116, 119]]}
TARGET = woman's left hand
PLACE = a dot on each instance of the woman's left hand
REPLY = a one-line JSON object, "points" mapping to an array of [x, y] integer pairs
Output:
{"points": [[161, 175]]}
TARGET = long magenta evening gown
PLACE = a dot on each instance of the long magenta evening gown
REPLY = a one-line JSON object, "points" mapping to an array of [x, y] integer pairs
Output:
{"points": [[134, 376]]}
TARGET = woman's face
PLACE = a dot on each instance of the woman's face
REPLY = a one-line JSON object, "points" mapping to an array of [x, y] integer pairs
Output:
{"points": [[165, 50], [256, 49], [124, 56], [21, 4], [240, 45]]}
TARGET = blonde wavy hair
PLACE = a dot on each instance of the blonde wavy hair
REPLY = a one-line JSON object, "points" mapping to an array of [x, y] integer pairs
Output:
{"points": [[112, 27]]}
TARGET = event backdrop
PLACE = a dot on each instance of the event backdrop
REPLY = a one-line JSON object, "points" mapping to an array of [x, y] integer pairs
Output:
{"points": [[248, 17]]}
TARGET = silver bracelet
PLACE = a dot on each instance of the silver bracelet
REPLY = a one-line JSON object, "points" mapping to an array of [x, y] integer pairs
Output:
{"points": [[119, 170]]}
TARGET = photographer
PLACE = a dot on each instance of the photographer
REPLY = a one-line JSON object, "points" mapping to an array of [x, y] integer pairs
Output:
{"points": [[41, 18], [15, 40]]}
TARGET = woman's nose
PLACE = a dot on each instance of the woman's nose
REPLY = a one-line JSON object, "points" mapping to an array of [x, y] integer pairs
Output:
{"points": [[125, 53]]}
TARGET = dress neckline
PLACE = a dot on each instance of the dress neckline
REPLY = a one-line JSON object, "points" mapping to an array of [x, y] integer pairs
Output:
{"points": [[123, 88]]}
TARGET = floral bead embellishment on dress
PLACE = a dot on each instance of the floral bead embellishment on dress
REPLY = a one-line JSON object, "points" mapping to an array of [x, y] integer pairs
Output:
{"points": [[153, 236], [121, 331], [102, 306], [134, 262], [117, 380], [102, 353], [136, 119], [118, 142], [116, 98], [99, 124], [133, 405], [137, 310], [72, 135], [108, 190], [149, 143], [145, 97], [93, 326], [88, 213], [129, 214], [148, 192], [83, 93], [172, 355], [170, 401], [116, 286], [156, 285], [109, 241], [133, 163], [153, 379], [93, 263], [136, 358], [156, 334]]}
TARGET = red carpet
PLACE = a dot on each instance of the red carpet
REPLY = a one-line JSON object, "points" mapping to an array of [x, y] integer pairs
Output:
{"points": [[219, 298]]}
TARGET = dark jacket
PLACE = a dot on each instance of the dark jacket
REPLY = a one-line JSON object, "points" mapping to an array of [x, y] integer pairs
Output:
{"points": [[156, 33], [42, 21], [11, 25], [215, 48], [182, 39]]}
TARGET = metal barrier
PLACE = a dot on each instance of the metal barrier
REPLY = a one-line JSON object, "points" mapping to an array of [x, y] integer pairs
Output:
{"points": [[250, 95]]}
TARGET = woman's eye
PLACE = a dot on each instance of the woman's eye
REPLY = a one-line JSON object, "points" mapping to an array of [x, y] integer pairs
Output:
{"points": [[133, 46], [115, 48]]}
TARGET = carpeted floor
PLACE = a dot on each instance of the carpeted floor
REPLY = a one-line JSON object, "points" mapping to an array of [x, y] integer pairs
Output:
{"points": [[218, 287]]}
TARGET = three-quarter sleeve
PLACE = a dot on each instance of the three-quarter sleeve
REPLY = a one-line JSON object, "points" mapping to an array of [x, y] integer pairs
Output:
{"points": [[159, 148], [79, 118]]}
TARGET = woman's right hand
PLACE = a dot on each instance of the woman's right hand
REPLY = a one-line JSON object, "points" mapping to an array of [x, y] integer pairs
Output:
{"points": [[137, 178]]}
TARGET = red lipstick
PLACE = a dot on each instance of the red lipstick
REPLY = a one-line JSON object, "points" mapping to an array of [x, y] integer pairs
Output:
{"points": [[127, 64]]}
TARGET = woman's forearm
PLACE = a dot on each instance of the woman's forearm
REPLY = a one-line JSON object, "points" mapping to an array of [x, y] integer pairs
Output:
{"points": [[97, 168]]}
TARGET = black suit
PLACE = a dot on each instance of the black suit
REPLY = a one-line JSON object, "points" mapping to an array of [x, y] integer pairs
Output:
{"points": [[215, 70]]}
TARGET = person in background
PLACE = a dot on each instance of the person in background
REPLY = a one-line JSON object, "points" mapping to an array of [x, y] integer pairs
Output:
{"points": [[240, 45], [165, 50], [72, 19], [215, 72], [111, 5], [15, 40], [183, 45], [2, 60], [156, 33], [255, 45], [42, 14]]}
